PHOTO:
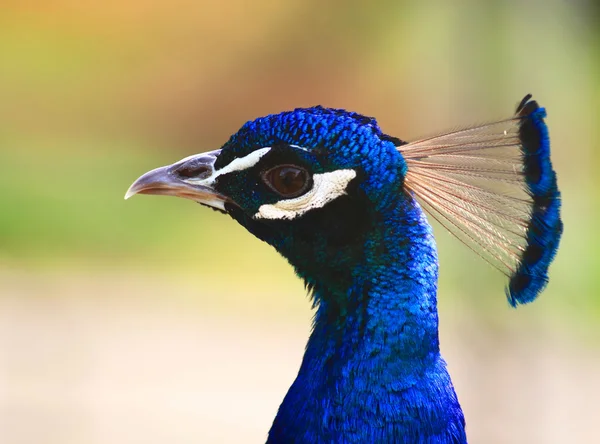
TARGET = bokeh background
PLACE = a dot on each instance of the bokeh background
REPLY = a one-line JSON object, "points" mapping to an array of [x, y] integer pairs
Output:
{"points": [[154, 320]]}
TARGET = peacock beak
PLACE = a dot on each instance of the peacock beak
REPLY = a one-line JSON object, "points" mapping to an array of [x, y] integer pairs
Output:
{"points": [[190, 178]]}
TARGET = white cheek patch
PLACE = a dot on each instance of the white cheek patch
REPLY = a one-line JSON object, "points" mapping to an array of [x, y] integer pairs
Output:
{"points": [[239, 164], [326, 187]]}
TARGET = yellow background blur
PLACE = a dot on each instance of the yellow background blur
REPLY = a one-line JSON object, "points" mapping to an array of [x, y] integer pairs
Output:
{"points": [[155, 320]]}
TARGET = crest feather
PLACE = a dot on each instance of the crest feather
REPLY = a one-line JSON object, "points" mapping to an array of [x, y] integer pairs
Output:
{"points": [[494, 188]]}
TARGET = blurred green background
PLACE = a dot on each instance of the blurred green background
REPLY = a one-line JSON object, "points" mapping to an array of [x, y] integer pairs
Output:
{"points": [[155, 319]]}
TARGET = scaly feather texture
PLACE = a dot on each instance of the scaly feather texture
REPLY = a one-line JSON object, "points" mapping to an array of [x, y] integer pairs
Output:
{"points": [[340, 200], [372, 371]]}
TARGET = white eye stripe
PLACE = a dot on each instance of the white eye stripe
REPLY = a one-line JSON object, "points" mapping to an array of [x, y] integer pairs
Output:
{"points": [[239, 164], [326, 187], [300, 148], [243, 163]]}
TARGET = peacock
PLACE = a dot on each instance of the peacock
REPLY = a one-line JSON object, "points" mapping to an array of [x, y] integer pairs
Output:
{"points": [[344, 203]]}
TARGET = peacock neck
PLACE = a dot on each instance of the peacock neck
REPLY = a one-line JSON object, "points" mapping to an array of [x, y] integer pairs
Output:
{"points": [[387, 313], [390, 304], [372, 371]]}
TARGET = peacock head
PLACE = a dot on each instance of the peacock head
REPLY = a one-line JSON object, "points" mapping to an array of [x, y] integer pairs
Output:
{"points": [[310, 182], [321, 186]]}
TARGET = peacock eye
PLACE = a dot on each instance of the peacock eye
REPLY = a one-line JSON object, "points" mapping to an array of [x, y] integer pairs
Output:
{"points": [[287, 180]]}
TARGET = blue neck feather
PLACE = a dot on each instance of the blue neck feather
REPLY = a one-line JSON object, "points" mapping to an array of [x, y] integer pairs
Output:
{"points": [[372, 371]]}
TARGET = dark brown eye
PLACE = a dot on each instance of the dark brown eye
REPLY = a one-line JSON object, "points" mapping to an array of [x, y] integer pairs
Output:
{"points": [[287, 180]]}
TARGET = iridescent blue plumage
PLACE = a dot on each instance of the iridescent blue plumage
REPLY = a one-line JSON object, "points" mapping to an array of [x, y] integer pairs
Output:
{"points": [[372, 371], [340, 200]]}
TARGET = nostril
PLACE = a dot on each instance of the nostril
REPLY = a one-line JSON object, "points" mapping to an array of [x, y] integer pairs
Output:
{"points": [[194, 169]]}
